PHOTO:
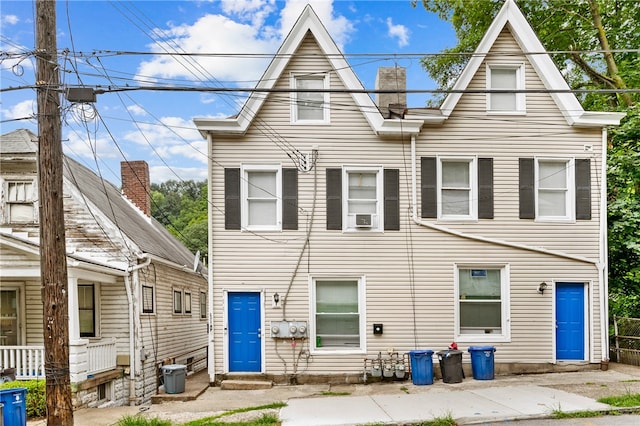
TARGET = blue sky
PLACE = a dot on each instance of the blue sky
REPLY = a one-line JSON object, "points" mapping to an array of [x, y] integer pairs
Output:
{"points": [[126, 43]]}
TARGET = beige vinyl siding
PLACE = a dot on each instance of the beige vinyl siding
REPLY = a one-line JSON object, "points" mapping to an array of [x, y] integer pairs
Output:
{"points": [[409, 273], [114, 314], [33, 314]]}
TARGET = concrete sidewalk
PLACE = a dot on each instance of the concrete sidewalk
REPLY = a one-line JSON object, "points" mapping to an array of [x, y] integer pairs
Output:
{"points": [[472, 401]]}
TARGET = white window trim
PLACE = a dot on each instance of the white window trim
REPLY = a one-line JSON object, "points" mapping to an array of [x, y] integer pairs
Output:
{"points": [[6, 182], [325, 103], [173, 301], [379, 214], [203, 312], [155, 296], [244, 192], [362, 309], [505, 298], [521, 101], [570, 196], [473, 193], [96, 307]]}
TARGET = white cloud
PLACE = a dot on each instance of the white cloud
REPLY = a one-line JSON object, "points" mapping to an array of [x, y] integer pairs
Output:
{"points": [[254, 11], [339, 27], [10, 19], [159, 174], [20, 110], [77, 145], [137, 110], [230, 37], [398, 31]]}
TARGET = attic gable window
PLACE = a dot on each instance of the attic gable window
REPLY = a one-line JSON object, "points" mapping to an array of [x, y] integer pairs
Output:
{"points": [[20, 198], [507, 79], [309, 107]]}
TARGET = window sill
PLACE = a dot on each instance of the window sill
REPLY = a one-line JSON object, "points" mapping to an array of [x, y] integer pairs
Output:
{"points": [[310, 123], [482, 338], [516, 112], [330, 352]]}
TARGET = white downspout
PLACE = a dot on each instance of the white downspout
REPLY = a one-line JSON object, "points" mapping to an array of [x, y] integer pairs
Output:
{"points": [[130, 285], [210, 333], [603, 266]]}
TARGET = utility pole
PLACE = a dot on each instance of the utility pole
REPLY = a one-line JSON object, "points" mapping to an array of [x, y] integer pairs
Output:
{"points": [[53, 260]]}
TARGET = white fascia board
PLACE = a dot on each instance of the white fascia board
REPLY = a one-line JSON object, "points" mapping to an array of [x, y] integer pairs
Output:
{"points": [[599, 119], [397, 127]]}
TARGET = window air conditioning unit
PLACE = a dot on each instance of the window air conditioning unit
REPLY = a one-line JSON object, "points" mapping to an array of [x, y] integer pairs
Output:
{"points": [[363, 221]]}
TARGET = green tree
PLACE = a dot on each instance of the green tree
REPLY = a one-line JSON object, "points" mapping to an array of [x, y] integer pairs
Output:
{"points": [[181, 206], [596, 41]]}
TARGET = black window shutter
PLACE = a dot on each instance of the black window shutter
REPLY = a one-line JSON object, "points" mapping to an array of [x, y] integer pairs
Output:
{"points": [[485, 188], [391, 199], [231, 198], [334, 199], [429, 187], [527, 189], [290, 198], [583, 189]]}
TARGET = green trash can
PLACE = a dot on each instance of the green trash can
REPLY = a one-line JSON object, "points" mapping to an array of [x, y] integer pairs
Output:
{"points": [[14, 406], [174, 377]]}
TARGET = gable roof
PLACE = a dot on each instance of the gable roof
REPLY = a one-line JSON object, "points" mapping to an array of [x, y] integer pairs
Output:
{"points": [[307, 22], [511, 16], [146, 233]]}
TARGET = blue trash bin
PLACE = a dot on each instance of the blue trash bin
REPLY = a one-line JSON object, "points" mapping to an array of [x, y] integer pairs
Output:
{"points": [[421, 367], [14, 406], [482, 362]]}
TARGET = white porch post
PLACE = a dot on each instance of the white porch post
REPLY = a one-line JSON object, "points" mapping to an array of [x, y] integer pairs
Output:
{"points": [[78, 357]]}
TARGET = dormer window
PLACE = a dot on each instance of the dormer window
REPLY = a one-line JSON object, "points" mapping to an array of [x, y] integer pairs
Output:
{"points": [[20, 198], [504, 85], [310, 107]]}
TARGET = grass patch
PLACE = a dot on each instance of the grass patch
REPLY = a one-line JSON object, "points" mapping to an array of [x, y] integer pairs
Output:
{"points": [[404, 389], [138, 420], [329, 393], [627, 400], [265, 419], [559, 414], [629, 381], [447, 420]]}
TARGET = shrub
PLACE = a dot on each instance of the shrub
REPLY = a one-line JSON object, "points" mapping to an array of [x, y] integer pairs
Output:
{"points": [[36, 399]]}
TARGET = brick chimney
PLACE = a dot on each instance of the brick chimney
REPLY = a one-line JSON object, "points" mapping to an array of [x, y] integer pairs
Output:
{"points": [[391, 105], [136, 185]]}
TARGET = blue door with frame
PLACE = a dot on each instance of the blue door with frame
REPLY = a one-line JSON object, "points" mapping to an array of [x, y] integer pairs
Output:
{"points": [[245, 337], [570, 321]]}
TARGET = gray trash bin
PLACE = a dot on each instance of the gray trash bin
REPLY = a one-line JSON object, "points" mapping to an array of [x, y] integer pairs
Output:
{"points": [[174, 377]]}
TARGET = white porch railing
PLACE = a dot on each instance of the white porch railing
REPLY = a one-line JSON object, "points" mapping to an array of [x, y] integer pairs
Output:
{"points": [[28, 361], [101, 356]]}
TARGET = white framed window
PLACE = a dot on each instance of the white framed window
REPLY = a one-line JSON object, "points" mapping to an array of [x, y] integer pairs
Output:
{"points": [[363, 202], [508, 79], [458, 188], [148, 299], [203, 305], [87, 310], [262, 197], [20, 199], [310, 107], [482, 303], [177, 301], [337, 315], [187, 302], [555, 189]]}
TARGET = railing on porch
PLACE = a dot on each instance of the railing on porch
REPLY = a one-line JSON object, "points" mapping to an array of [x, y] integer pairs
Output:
{"points": [[28, 361], [102, 356]]}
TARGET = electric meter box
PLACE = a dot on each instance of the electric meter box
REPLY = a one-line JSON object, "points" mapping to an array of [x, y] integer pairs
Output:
{"points": [[288, 329]]}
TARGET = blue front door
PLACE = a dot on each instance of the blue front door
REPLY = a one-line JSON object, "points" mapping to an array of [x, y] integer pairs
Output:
{"points": [[245, 342], [570, 321]]}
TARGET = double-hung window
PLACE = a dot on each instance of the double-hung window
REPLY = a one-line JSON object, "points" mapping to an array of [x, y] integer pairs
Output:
{"points": [[482, 303], [458, 189], [310, 107], [177, 301], [554, 195], [148, 302], [363, 201], [505, 83], [262, 198], [337, 306], [87, 310], [20, 201], [555, 189], [203, 305]]}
